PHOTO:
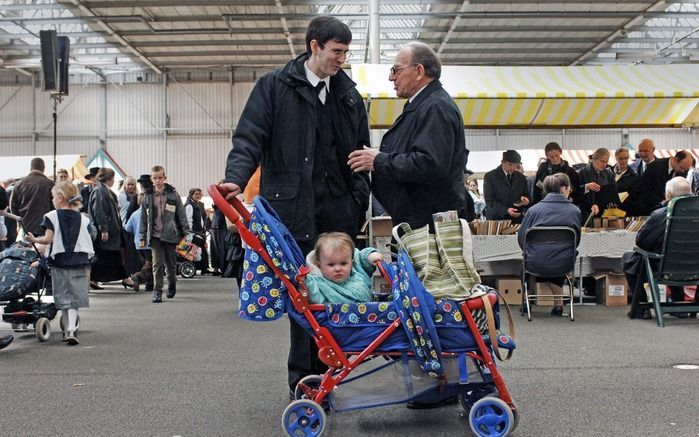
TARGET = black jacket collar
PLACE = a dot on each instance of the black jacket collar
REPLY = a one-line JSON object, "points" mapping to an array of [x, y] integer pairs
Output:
{"points": [[429, 89]]}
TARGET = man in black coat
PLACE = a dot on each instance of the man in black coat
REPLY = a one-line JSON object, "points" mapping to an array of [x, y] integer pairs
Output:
{"points": [[31, 197], [86, 191], [658, 172], [505, 190], [299, 125], [418, 171], [646, 155], [627, 181], [650, 238]]}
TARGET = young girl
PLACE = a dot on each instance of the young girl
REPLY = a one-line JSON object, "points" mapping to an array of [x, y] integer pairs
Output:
{"points": [[67, 230], [343, 273]]}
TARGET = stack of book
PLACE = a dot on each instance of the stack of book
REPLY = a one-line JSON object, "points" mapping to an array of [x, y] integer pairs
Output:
{"points": [[494, 227]]}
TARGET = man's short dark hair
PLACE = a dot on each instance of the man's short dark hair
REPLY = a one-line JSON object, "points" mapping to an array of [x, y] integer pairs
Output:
{"points": [[326, 28], [552, 146], [37, 164], [681, 155], [422, 54]]}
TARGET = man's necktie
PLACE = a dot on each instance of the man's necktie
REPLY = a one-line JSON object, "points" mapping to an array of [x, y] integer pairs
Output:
{"points": [[319, 91], [509, 178], [641, 168]]}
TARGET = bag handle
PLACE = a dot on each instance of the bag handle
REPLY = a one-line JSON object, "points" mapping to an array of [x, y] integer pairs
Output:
{"points": [[405, 227], [492, 331]]}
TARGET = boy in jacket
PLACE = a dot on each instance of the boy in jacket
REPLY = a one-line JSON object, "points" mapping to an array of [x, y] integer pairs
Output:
{"points": [[163, 224]]}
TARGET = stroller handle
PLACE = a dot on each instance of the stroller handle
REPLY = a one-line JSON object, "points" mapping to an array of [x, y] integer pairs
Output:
{"points": [[233, 209]]}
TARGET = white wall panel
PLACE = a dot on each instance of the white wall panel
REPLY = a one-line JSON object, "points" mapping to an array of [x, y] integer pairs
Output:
{"points": [[196, 162], [480, 140], [136, 155], [16, 110], [527, 139], [135, 109], [16, 147], [665, 138], [81, 111], [197, 107], [591, 139], [85, 147]]}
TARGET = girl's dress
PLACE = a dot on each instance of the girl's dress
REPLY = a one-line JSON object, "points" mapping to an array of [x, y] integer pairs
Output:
{"points": [[69, 257], [357, 288]]}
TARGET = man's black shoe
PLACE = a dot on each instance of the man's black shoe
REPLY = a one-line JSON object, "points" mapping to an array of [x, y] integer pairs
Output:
{"points": [[95, 286], [557, 311], [415, 405], [5, 341], [157, 296], [643, 314], [679, 315], [171, 291]]}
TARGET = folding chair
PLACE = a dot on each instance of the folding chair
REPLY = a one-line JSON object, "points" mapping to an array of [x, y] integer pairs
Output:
{"points": [[677, 260], [563, 241]]}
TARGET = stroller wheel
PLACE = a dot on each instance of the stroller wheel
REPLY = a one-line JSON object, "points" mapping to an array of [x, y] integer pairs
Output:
{"points": [[468, 398], [187, 270], [311, 382], [42, 329], [491, 417], [304, 417], [63, 325]]}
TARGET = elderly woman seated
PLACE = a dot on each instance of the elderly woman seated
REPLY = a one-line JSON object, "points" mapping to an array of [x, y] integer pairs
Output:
{"points": [[554, 210]]}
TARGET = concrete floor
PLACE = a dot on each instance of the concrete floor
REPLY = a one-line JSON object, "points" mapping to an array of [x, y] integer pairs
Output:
{"points": [[191, 367]]}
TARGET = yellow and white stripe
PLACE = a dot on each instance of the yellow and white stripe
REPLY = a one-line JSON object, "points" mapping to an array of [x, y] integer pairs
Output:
{"points": [[616, 95]]}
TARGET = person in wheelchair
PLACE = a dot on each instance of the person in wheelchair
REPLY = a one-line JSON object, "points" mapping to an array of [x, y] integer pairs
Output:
{"points": [[555, 209], [339, 272], [650, 238]]}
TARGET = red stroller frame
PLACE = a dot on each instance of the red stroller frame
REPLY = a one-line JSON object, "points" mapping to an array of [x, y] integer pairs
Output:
{"points": [[307, 412]]}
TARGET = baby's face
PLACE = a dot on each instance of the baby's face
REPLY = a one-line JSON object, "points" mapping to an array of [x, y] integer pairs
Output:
{"points": [[335, 266]]}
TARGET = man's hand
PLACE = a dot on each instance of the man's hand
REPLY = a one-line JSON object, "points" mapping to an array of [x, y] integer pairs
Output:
{"points": [[142, 244], [362, 160], [594, 209], [104, 236], [593, 186], [524, 200], [231, 189], [30, 237], [513, 212]]}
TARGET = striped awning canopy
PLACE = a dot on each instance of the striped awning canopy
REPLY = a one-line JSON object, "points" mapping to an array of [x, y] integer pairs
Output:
{"points": [[580, 96]]}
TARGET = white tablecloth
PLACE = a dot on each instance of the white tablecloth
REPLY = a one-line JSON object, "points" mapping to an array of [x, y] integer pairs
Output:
{"points": [[501, 255]]}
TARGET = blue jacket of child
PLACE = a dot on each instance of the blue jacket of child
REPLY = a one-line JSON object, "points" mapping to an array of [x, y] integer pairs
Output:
{"points": [[357, 288]]}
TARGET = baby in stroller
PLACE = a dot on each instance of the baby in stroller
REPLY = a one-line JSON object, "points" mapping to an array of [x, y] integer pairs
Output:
{"points": [[339, 271]]}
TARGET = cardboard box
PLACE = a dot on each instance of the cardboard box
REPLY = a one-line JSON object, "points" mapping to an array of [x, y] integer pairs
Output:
{"points": [[510, 288], [611, 289], [535, 289], [381, 226]]}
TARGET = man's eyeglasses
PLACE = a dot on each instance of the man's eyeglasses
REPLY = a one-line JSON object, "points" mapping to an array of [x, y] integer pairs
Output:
{"points": [[335, 52], [395, 70]]}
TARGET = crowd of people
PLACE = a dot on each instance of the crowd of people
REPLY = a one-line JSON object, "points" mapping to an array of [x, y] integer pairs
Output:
{"points": [[637, 188], [92, 234]]}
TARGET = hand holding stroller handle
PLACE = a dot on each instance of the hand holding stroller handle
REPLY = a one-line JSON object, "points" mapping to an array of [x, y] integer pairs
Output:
{"points": [[233, 209]]}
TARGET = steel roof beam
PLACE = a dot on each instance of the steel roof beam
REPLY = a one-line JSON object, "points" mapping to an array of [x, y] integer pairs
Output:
{"points": [[241, 3], [385, 16]]}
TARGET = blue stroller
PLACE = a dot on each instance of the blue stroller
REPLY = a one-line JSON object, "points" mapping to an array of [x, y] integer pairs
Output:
{"points": [[410, 349]]}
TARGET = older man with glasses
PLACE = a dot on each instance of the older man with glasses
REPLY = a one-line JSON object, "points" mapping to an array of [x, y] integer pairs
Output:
{"points": [[418, 170]]}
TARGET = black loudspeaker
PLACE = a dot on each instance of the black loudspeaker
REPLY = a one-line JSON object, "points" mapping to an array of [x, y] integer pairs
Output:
{"points": [[49, 60], [63, 56]]}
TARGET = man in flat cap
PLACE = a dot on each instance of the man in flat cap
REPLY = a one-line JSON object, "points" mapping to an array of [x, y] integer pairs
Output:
{"points": [[505, 190], [87, 189]]}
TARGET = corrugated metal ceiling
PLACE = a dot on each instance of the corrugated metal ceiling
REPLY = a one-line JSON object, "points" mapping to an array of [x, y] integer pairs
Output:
{"points": [[167, 35]]}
